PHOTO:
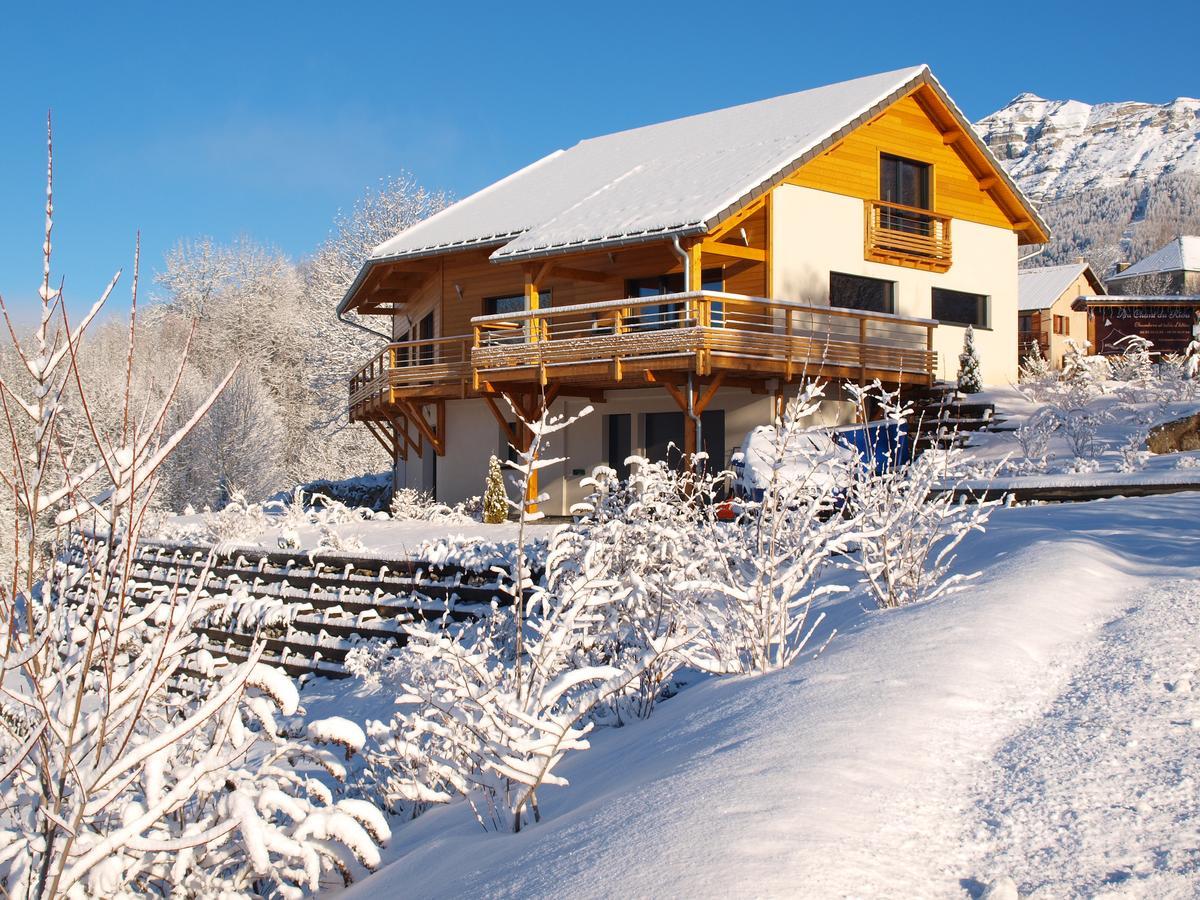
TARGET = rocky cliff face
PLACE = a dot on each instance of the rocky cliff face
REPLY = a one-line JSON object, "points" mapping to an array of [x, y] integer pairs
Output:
{"points": [[1054, 148], [1115, 181]]}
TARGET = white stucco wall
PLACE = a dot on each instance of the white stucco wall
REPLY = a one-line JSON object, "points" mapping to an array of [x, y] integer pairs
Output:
{"points": [[817, 232], [472, 435]]}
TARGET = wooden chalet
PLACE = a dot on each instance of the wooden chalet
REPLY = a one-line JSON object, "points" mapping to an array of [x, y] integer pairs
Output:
{"points": [[683, 277], [1045, 306]]}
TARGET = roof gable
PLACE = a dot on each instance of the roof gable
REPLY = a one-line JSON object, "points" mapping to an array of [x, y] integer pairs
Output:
{"points": [[678, 178]]}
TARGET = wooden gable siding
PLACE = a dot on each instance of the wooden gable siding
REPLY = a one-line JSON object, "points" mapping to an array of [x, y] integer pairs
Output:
{"points": [[851, 167]]}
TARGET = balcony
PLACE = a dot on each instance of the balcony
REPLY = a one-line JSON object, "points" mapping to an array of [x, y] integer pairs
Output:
{"points": [[436, 368], [632, 342], [906, 236]]}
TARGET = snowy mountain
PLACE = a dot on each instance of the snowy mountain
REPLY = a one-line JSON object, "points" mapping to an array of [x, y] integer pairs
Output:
{"points": [[1055, 148], [1114, 180]]}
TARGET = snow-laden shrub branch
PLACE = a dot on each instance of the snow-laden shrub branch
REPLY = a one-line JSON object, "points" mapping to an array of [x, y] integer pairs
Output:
{"points": [[119, 772], [911, 521]]}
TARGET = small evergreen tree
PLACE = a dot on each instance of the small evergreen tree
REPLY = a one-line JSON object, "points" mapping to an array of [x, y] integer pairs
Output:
{"points": [[969, 379], [1034, 367], [495, 498]]}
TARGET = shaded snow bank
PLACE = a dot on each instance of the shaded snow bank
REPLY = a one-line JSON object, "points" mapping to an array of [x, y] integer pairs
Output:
{"points": [[849, 774]]}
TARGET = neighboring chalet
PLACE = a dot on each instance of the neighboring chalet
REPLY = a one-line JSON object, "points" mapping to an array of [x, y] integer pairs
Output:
{"points": [[1171, 269], [683, 277], [1045, 314], [1157, 298]]}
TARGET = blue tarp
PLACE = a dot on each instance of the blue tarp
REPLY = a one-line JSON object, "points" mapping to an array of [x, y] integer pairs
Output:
{"points": [[882, 445]]}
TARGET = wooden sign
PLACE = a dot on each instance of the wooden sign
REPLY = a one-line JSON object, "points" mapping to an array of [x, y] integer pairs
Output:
{"points": [[1169, 328]]}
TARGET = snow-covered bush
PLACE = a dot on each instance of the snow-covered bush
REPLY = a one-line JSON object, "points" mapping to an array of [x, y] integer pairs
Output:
{"points": [[909, 521], [763, 577], [1134, 363], [495, 498], [1034, 434], [120, 773], [1084, 370], [970, 379], [489, 709], [410, 504]]}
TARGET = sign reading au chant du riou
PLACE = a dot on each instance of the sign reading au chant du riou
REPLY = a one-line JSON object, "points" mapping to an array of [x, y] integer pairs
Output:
{"points": [[1169, 328]]}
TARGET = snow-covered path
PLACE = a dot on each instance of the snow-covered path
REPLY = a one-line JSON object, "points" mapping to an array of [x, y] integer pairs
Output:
{"points": [[871, 771], [1100, 795]]}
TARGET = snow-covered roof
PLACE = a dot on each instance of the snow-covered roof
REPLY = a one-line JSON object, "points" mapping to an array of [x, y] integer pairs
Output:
{"points": [[1182, 254], [1039, 288], [675, 178]]}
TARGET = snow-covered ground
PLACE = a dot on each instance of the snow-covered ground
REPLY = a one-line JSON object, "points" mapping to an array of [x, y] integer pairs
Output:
{"points": [[1119, 455], [1039, 724]]}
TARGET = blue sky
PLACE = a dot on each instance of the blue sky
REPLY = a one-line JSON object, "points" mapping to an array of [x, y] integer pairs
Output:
{"points": [[223, 119]]}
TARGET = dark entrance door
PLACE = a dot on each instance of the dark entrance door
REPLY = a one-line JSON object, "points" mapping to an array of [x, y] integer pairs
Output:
{"points": [[664, 437], [618, 438]]}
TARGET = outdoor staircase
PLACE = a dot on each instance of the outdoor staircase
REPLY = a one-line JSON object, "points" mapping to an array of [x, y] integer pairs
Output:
{"points": [[946, 418], [309, 613]]}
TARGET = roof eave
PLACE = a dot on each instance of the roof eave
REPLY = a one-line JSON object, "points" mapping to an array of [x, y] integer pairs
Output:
{"points": [[600, 244]]}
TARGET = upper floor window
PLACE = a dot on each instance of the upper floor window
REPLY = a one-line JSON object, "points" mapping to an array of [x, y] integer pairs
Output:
{"points": [[1062, 325], [904, 181], [857, 292], [960, 308], [512, 303]]}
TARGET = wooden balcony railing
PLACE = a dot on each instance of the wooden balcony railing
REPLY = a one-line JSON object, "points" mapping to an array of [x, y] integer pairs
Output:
{"points": [[907, 236], [410, 368], [750, 339], [705, 331]]}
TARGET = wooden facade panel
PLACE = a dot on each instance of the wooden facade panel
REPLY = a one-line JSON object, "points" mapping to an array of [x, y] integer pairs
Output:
{"points": [[852, 166]]}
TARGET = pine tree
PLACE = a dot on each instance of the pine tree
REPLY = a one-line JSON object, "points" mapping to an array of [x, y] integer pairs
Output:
{"points": [[495, 498], [1034, 367], [969, 379]]}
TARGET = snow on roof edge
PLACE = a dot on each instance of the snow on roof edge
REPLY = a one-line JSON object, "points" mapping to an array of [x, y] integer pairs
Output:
{"points": [[379, 251]]}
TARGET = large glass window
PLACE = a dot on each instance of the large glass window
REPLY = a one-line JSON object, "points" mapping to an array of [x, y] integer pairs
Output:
{"points": [[667, 315], [513, 303], [960, 308], [857, 292], [906, 182]]}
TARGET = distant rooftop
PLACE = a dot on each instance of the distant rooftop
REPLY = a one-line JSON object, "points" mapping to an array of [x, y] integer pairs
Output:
{"points": [[1182, 254], [1039, 288]]}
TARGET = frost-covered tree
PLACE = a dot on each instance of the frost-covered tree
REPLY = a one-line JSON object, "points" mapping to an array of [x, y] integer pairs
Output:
{"points": [[234, 450], [495, 498], [970, 379], [334, 349], [1034, 367], [117, 774]]}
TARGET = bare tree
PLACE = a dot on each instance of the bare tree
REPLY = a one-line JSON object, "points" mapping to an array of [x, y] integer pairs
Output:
{"points": [[117, 774]]}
